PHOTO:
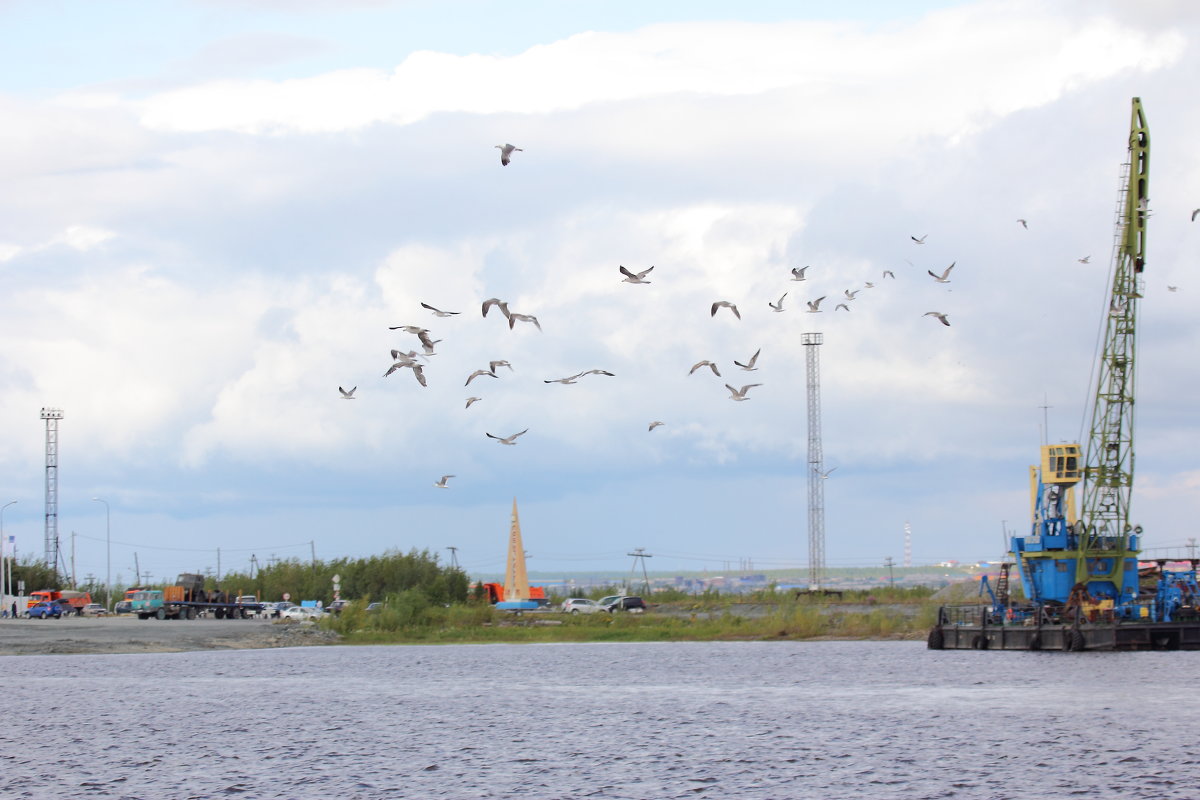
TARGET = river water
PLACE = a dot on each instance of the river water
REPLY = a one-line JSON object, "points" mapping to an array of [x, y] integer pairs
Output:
{"points": [[824, 720]]}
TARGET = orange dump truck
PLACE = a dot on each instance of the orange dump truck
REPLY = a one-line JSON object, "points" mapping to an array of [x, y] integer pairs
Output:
{"points": [[76, 600], [495, 593]]}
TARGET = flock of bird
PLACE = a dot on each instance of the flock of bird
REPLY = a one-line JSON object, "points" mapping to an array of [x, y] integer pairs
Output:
{"points": [[415, 361]]}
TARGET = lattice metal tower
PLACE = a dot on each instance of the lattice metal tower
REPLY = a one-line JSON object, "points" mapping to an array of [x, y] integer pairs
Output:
{"points": [[816, 470], [52, 416]]}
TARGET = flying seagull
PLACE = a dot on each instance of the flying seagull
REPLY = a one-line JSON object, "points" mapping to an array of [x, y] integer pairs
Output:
{"points": [[471, 400], [749, 365], [655, 424], [918, 241], [506, 151], [514, 318], [349, 395], [887, 273], [565, 381], [508, 439], [798, 273], [841, 305], [493, 364], [1195, 214], [940, 316], [419, 374], [635, 277], [1169, 289], [417, 329], [824, 474], [779, 305], [1024, 224], [850, 295], [1084, 260], [596, 372], [708, 364], [724, 304], [944, 277], [477, 373], [495, 301], [814, 305], [740, 394], [437, 312], [442, 483]]}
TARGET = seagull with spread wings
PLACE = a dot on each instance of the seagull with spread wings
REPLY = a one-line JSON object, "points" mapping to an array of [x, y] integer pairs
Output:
{"points": [[749, 365], [705, 363], [942, 318], [441, 484], [778, 306], [635, 277], [437, 312], [347, 395], [944, 277], [508, 439], [740, 394], [506, 151], [724, 304]]}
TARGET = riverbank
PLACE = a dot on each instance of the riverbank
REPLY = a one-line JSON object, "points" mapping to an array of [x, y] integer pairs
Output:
{"points": [[125, 634], [473, 625]]}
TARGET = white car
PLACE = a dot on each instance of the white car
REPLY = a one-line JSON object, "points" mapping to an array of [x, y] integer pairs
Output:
{"points": [[93, 610], [580, 605], [301, 613]]}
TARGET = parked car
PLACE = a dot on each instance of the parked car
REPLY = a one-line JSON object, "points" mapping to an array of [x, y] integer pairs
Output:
{"points": [[373, 607], [94, 610], [623, 602], [123, 607], [580, 605], [44, 610], [301, 613], [336, 606]]}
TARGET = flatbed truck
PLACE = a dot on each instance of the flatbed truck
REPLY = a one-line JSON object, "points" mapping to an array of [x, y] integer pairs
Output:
{"points": [[188, 600]]}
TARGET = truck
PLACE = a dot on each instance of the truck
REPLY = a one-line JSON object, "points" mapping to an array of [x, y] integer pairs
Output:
{"points": [[75, 600], [188, 599], [494, 592]]}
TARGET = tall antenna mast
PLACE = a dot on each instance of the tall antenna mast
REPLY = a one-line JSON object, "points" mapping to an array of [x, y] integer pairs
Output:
{"points": [[816, 472], [52, 416]]}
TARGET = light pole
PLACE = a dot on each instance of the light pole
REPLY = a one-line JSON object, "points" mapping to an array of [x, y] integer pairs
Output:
{"points": [[4, 589], [108, 555]]}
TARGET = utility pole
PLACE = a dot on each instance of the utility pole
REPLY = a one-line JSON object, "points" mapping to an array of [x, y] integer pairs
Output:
{"points": [[453, 557], [891, 578], [313, 546], [137, 568], [218, 566], [639, 553]]}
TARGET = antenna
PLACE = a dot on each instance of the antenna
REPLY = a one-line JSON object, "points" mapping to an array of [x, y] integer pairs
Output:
{"points": [[816, 472], [52, 416]]}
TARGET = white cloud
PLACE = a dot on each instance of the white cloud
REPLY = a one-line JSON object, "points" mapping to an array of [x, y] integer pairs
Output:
{"points": [[989, 61]]}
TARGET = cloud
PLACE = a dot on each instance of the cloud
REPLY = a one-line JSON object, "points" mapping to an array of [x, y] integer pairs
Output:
{"points": [[817, 65]]}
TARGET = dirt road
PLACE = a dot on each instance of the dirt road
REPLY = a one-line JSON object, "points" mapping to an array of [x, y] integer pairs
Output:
{"points": [[126, 634]]}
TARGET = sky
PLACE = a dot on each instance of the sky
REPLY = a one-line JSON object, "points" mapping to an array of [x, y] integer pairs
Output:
{"points": [[212, 213]]}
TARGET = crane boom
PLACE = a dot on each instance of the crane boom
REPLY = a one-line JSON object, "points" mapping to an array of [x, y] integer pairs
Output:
{"points": [[1108, 472]]}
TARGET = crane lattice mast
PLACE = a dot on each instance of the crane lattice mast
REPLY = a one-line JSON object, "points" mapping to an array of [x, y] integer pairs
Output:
{"points": [[1108, 474]]}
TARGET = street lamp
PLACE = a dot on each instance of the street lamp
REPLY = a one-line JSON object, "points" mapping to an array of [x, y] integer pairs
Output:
{"points": [[108, 555], [3, 589]]}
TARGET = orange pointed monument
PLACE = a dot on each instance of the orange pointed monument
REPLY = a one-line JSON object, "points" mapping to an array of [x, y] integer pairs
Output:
{"points": [[516, 581]]}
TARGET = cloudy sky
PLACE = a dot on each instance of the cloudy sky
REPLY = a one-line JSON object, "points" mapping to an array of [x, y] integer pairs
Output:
{"points": [[211, 212]]}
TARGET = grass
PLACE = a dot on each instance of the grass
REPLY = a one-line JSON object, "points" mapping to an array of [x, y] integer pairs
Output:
{"points": [[406, 619]]}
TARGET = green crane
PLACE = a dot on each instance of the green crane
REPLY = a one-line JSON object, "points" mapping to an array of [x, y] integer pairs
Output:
{"points": [[1102, 527]]}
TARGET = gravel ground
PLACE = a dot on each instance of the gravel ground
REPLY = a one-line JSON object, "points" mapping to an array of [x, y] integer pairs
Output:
{"points": [[127, 634]]}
